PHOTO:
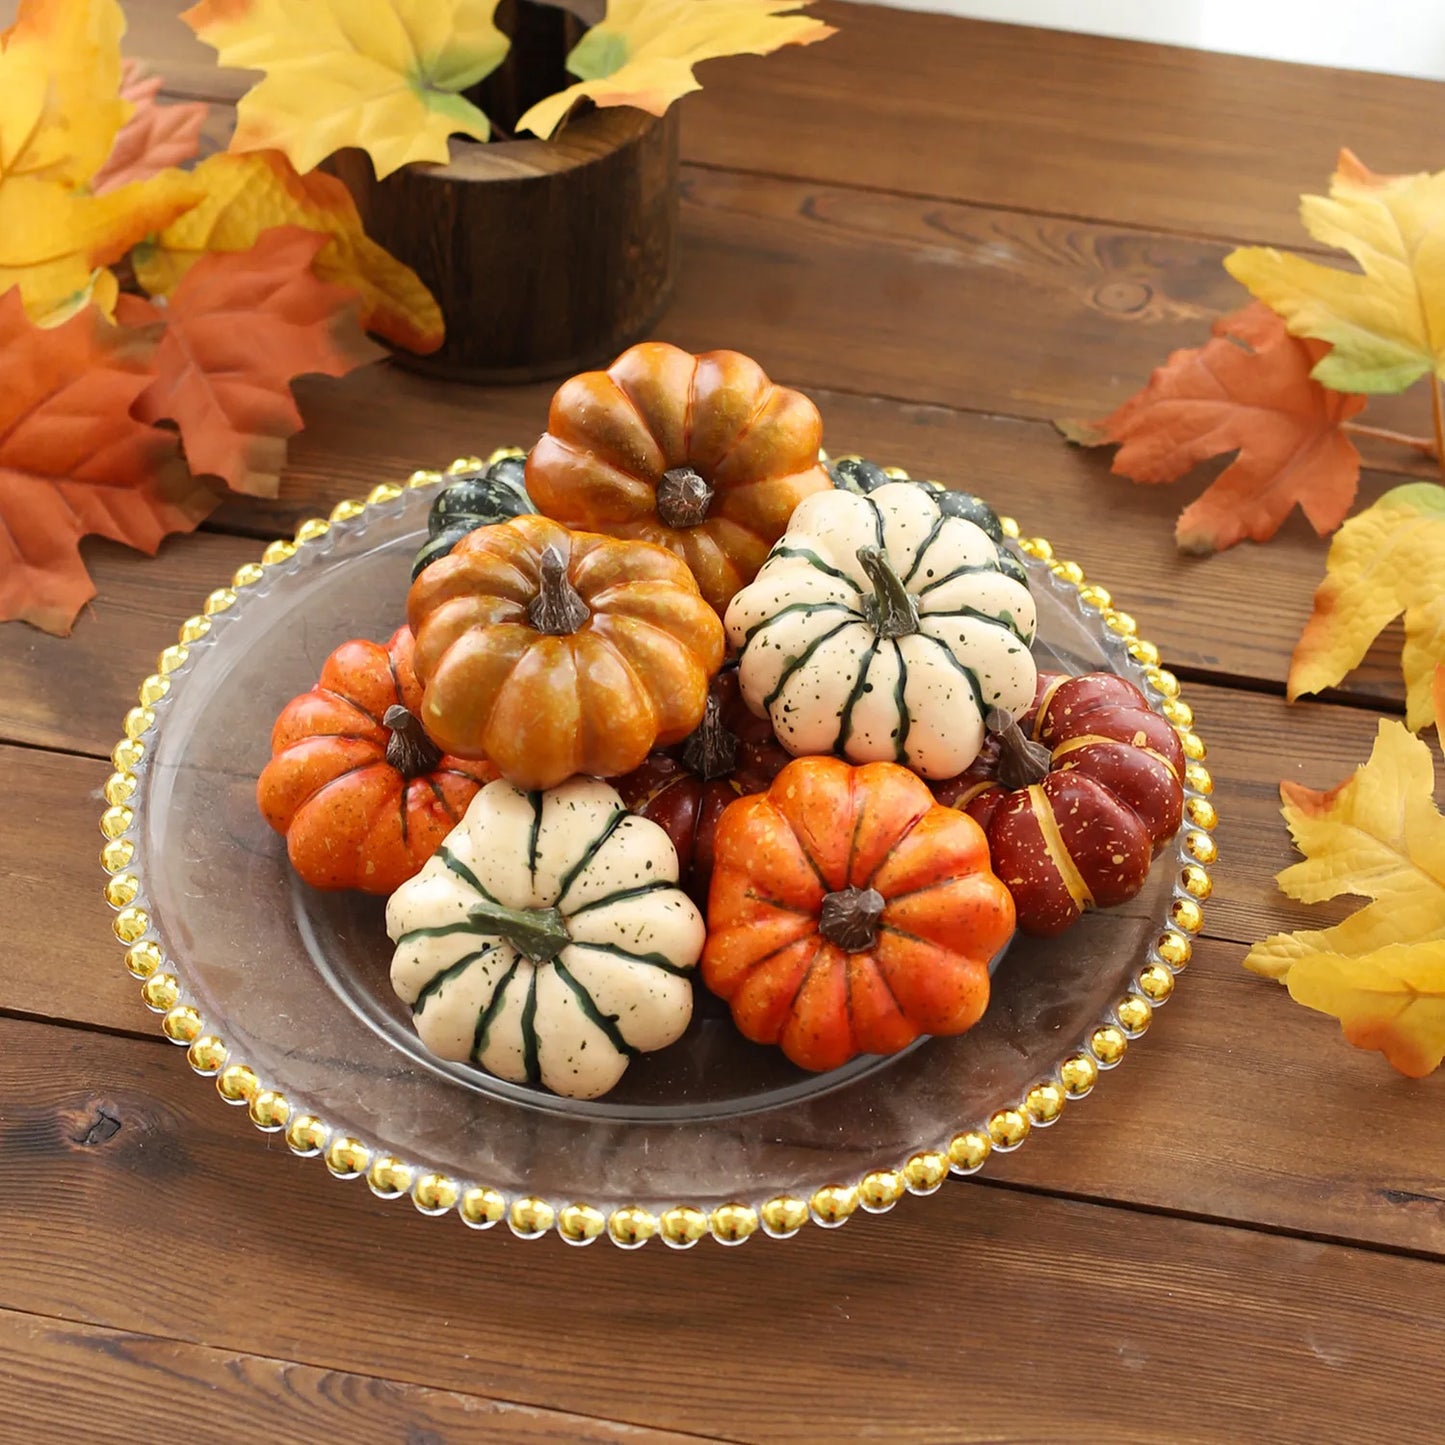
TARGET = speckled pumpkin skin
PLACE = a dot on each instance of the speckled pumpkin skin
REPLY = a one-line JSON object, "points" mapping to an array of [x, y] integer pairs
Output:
{"points": [[1085, 836]]}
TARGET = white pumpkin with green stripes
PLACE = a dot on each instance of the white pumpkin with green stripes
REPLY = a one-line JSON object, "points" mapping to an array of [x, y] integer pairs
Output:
{"points": [[547, 941], [883, 630]]}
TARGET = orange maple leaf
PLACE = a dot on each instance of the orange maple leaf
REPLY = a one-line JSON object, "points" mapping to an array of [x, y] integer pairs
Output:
{"points": [[73, 461], [238, 327], [1248, 390], [156, 136]]}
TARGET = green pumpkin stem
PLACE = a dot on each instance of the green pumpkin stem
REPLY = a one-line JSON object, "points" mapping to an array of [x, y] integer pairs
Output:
{"points": [[1021, 761], [683, 497], [850, 917], [711, 749], [558, 608], [540, 933], [892, 611], [409, 750]]}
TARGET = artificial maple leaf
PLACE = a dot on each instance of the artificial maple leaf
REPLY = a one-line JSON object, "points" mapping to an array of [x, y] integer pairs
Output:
{"points": [[1387, 560], [1378, 835], [1387, 326], [237, 329], [642, 51], [381, 75], [1437, 698], [1247, 389], [73, 461], [244, 195], [155, 136]]}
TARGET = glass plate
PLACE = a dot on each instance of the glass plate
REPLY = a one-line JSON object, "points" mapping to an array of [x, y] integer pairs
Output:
{"points": [[281, 992]]}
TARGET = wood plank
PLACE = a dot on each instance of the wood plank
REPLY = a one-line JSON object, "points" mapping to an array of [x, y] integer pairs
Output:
{"points": [[191, 1215], [58, 1372]]}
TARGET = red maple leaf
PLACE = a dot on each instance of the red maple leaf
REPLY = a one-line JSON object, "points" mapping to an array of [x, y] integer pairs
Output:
{"points": [[155, 136]]}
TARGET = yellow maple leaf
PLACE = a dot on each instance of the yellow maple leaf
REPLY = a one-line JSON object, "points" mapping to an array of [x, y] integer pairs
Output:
{"points": [[1387, 560], [1387, 325], [244, 195], [642, 52], [381, 75]]}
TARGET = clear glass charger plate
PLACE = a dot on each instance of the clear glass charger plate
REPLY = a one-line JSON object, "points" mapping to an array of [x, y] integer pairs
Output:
{"points": [[281, 992]]}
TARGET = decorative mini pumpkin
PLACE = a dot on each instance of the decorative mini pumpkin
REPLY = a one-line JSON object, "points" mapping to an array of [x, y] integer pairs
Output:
{"points": [[700, 454], [1076, 797], [547, 941], [882, 629], [850, 913], [554, 652], [685, 789], [361, 793], [469, 500]]}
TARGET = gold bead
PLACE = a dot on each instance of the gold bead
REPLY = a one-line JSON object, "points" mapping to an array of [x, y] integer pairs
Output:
{"points": [[207, 1055], [434, 1193], [219, 601], [182, 1024], [482, 1208], [130, 924], [1202, 848], [269, 1110], [143, 959], [345, 1157], [834, 1204], [733, 1223], [1108, 1044], [312, 530], [1044, 1103], [1187, 915], [1200, 812], [968, 1151], [1174, 949], [116, 820], [784, 1216], [305, 1135], [172, 658], [1193, 746], [248, 574], [581, 1224], [1155, 982], [117, 854], [194, 628], [1178, 712], [1008, 1128], [1009, 527], [924, 1172], [346, 510], [382, 492], [1120, 622], [880, 1190], [1095, 597], [1196, 776], [159, 992], [388, 1177], [1144, 652], [237, 1083], [125, 756], [278, 552], [153, 689], [1195, 881], [500, 454], [631, 1226], [530, 1217], [1037, 547], [119, 788], [1161, 680], [138, 720], [423, 479], [1069, 572], [682, 1226], [1078, 1075], [121, 890], [1134, 1013]]}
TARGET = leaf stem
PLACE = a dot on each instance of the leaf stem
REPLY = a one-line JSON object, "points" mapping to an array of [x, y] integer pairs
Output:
{"points": [[1425, 445]]}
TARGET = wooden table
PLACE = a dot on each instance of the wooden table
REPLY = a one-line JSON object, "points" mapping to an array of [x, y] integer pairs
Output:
{"points": [[947, 233]]}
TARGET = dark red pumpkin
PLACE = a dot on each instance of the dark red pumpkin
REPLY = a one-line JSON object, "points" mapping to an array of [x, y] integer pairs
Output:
{"points": [[1076, 796], [685, 788]]}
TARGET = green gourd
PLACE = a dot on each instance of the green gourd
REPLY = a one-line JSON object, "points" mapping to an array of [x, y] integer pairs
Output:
{"points": [[473, 499]]}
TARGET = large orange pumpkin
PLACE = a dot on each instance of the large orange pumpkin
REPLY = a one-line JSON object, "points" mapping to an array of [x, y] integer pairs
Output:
{"points": [[702, 455], [360, 792], [850, 913], [554, 652]]}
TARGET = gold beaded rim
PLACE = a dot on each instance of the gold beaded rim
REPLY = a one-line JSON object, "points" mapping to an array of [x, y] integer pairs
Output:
{"points": [[631, 1226]]}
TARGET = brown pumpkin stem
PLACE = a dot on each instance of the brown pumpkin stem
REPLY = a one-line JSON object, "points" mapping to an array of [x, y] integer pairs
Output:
{"points": [[558, 608], [711, 749], [850, 918], [1021, 761], [409, 750], [683, 497], [540, 933], [892, 611]]}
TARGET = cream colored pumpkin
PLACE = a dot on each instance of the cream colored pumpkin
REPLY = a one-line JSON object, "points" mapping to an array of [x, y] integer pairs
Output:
{"points": [[547, 941]]}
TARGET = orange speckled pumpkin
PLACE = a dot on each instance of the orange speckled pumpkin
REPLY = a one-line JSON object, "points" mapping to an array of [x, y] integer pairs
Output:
{"points": [[360, 792], [702, 455], [554, 652], [850, 913]]}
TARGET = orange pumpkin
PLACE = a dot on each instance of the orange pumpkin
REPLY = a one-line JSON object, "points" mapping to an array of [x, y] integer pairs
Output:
{"points": [[554, 652], [702, 455], [360, 792], [850, 913]]}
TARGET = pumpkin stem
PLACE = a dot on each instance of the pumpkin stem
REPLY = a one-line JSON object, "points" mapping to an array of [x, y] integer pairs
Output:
{"points": [[683, 497], [558, 608], [409, 750], [850, 917], [540, 933], [711, 750], [1021, 761], [892, 611]]}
